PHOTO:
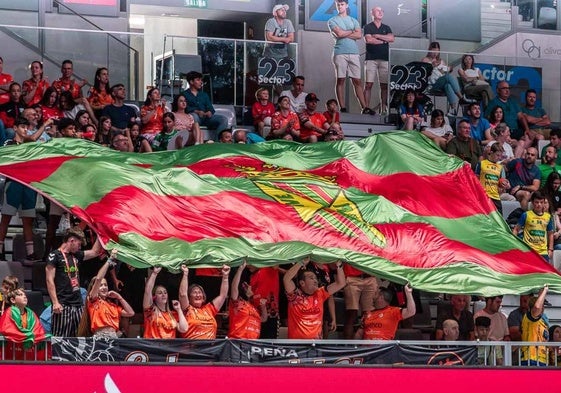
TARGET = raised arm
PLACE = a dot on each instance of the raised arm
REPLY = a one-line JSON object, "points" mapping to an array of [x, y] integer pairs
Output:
{"points": [[234, 291], [127, 311], [339, 280], [94, 251], [537, 309], [147, 300], [411, 309], [287, 280], [219, 300], [182, 324], [183, 287], [101, 273]]}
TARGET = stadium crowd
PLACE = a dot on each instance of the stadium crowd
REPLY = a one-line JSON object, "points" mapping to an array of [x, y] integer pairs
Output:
{"points": [[501, 147]]}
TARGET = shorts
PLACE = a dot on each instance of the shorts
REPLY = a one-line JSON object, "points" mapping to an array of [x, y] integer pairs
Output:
{"points": [[55, 210], [19, 198], [360, 291], [347, 64], [376, 70]]}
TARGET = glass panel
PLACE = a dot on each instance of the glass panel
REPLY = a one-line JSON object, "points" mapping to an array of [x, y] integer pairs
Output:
{"points": [[233, 70], [88, 50]]}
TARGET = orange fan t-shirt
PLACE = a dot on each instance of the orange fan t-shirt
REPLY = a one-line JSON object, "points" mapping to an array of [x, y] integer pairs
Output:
{"points": [[381, 324], [99, 98], [155, 123], [68, 85], [158, 324], [305, 314], [245, 320], [29, 85], [201, 322], [104, 314]]}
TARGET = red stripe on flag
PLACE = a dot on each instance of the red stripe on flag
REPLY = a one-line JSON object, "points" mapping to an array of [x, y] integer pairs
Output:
{"points": [[233, 214], [424, 195], [34, 170]]}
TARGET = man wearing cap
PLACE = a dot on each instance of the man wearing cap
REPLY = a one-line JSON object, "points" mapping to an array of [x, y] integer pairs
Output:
{"points": [[377, 37], [280, 31], [313, 125], [63, 281], [346, 58]]}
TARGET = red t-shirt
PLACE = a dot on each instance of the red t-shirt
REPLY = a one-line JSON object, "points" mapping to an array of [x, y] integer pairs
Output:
{"points": [[317, 119], [51, 113], [5, 79], [265, 285], [278, 121], [329, 118], [260, 111]]}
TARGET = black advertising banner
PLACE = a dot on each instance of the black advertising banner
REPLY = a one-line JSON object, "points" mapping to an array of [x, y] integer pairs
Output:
{"points": [[90, 349], [254, 352]]}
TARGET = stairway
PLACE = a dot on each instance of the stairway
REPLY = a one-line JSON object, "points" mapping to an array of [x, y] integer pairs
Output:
{"points": [[496, 19]]}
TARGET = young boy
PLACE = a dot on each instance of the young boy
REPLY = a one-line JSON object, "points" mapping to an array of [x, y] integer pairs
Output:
{"points": [[333, 117], [19, 199], [9, 283], [262, 110], [537, 227], [486, 354], [21, 326], [492, 175]]}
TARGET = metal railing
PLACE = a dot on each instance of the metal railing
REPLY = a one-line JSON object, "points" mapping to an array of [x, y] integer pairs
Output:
{"points": [[489, 353]]}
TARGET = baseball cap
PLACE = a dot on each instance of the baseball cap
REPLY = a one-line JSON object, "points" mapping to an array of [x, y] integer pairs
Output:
{"points": [[280, 6], [312, 97]]}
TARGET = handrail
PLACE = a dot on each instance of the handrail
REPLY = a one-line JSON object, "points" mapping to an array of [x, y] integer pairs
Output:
{"points": [[93, 24]]}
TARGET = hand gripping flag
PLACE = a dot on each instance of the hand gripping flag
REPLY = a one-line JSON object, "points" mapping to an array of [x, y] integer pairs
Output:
{"points": [[393, 205]]}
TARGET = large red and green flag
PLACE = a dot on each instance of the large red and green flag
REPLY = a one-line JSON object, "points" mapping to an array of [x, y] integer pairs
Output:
{"points": [[392, 204], [13, 328]]}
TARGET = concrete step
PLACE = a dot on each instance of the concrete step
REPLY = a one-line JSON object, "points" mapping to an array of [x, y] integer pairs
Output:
{"points": [[490, 19], [495, 11]]}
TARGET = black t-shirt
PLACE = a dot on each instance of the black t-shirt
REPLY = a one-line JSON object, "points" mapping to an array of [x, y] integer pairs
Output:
{"points": [[66, 295], [11, 142], [120, 115], [379, 51]]}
